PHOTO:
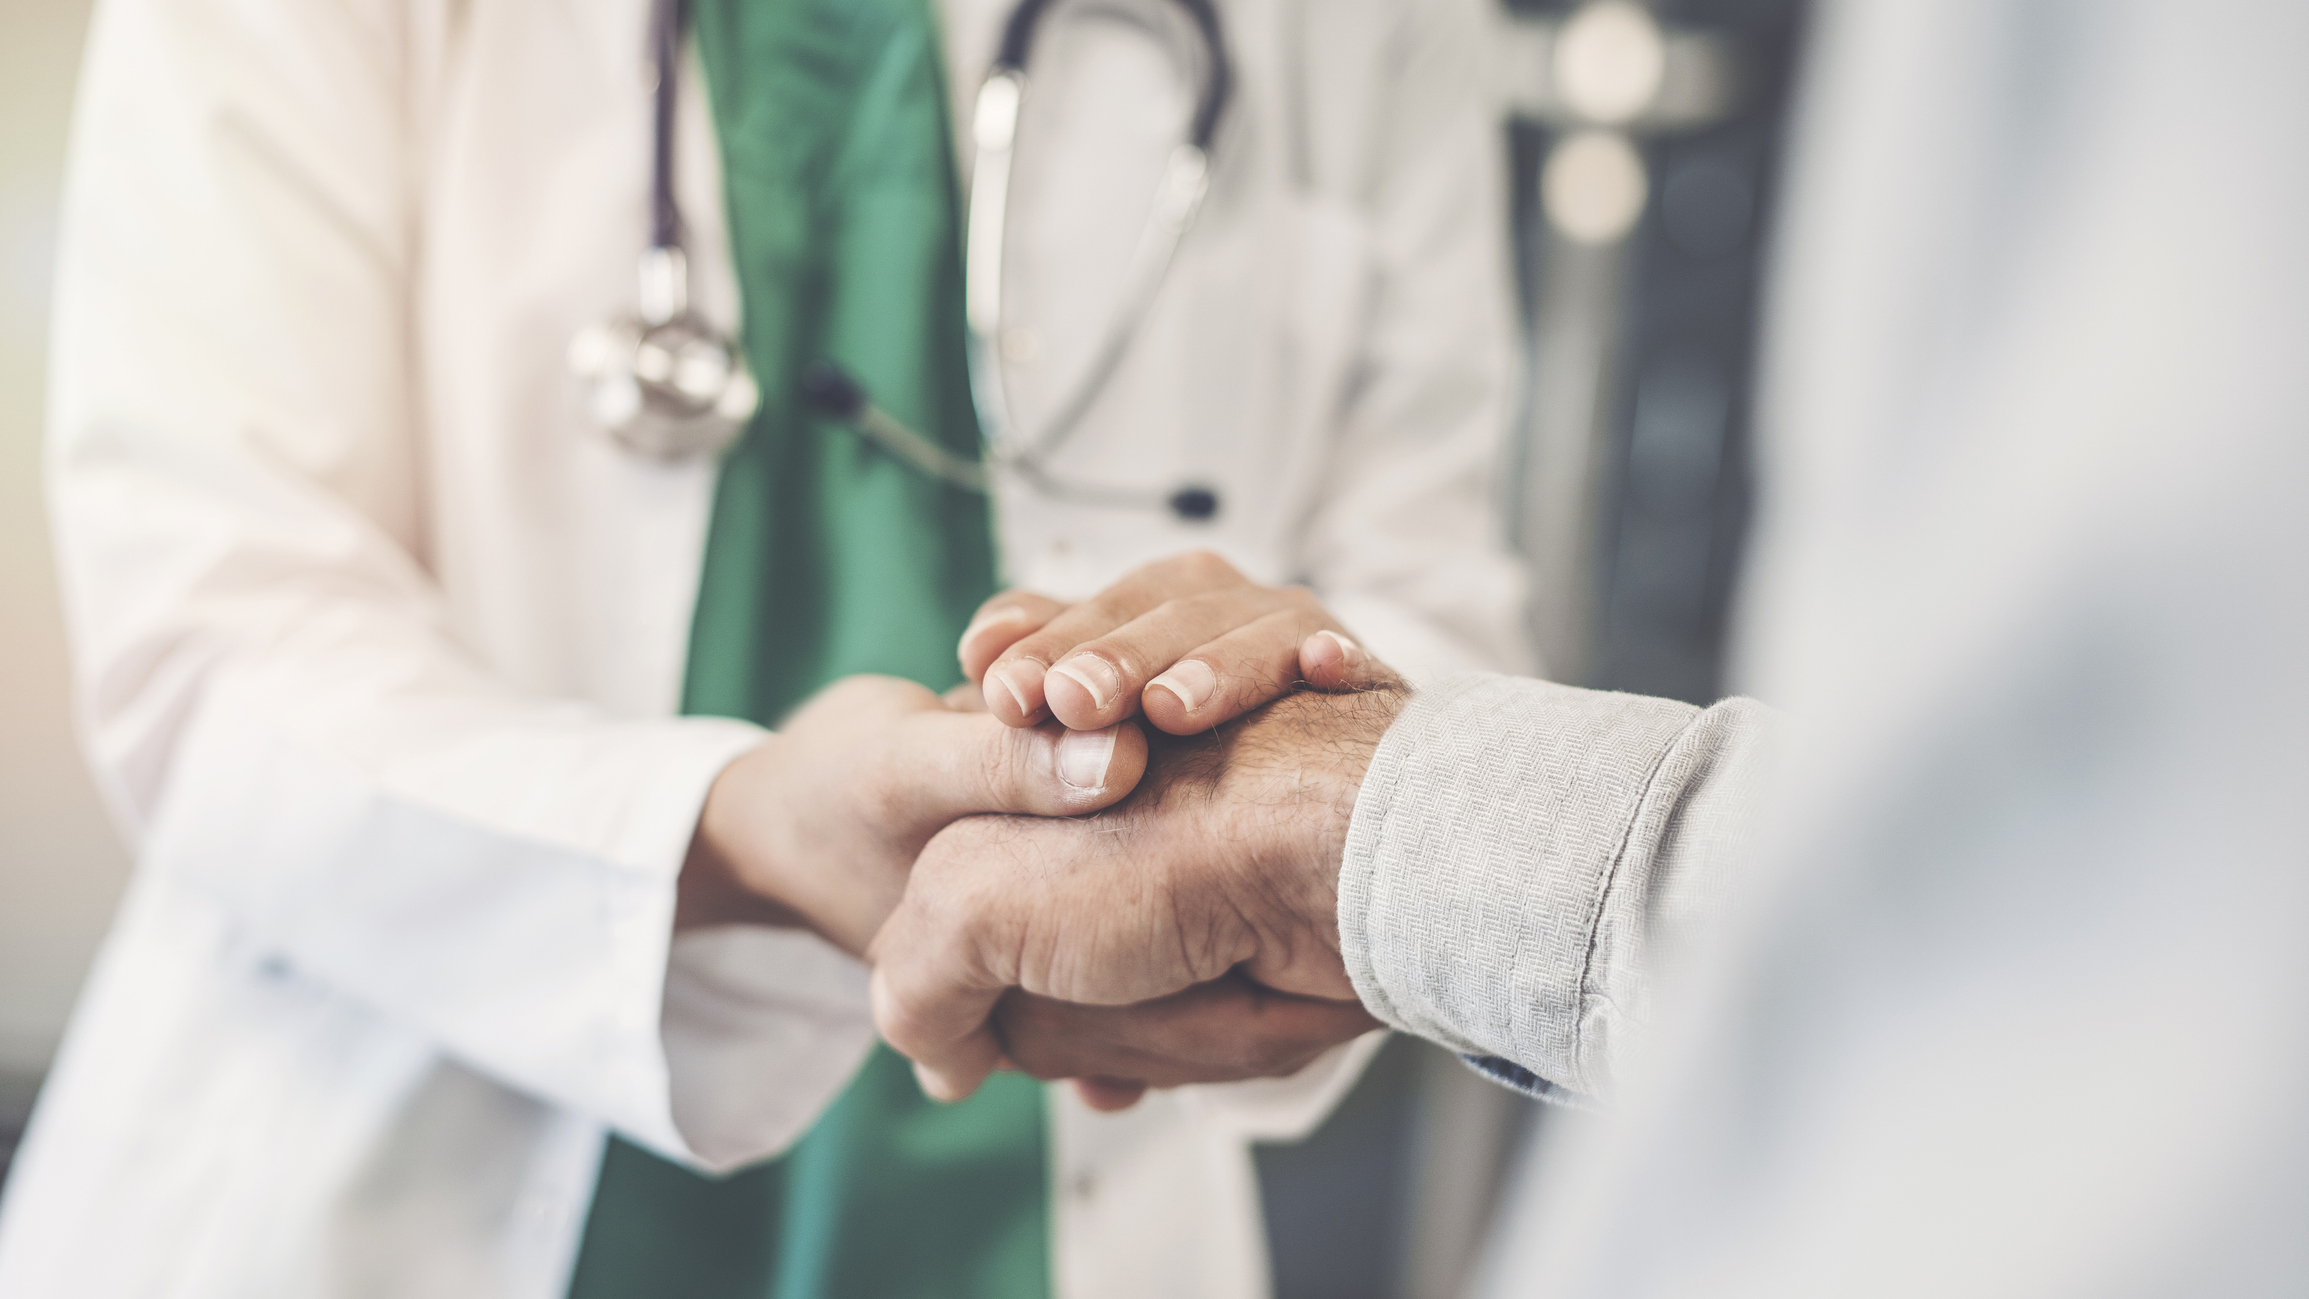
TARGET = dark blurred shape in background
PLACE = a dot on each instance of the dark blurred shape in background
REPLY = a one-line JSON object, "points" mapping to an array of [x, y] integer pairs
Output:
{"points": [[1646, 145]]}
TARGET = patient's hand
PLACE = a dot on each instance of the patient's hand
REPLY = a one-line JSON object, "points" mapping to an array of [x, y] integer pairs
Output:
{"points": [[1222, 1031], [1224, 861], [1188, 641]]}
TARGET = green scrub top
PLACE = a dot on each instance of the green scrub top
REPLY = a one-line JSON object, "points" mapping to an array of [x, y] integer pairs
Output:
{"points": [[827, 557]]}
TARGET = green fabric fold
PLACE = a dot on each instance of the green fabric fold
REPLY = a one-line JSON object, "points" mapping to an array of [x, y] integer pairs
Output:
{"points": [[827, 557]]}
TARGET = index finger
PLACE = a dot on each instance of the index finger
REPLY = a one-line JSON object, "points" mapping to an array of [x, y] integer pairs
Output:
{"points": [[997, 626], [1014, 680]]}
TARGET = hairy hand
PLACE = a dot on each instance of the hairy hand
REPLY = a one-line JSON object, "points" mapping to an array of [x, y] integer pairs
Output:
{"points": [[1225, 858]]}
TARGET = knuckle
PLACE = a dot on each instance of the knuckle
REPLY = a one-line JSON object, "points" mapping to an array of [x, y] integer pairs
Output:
{"points": [[1114, 606], [1019, 601], [906, 1030], [1118, 653], [895, 1014], [1041, 646], [862, 692], [1206, 567]]}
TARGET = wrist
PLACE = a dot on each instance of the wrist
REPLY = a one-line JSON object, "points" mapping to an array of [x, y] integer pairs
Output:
{"points": [[1301, 764], [729, 876]]}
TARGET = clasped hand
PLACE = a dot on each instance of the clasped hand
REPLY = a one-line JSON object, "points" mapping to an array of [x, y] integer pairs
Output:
{"points": [[1042, 883]]}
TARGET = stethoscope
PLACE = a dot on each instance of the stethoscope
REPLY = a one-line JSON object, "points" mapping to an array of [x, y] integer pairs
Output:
{"points": [[666, 384], [662, 380]]}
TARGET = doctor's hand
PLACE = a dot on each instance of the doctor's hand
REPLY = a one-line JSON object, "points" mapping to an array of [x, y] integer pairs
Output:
{"points": [[1189, 641], [818, 826], [1225, 860]]}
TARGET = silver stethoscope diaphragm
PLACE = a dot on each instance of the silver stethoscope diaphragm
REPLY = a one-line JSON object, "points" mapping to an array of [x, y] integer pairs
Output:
{"points": [[663, 380]]}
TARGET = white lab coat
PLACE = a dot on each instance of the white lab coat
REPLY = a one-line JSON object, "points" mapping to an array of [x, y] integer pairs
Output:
{"points": [[380, 642]]}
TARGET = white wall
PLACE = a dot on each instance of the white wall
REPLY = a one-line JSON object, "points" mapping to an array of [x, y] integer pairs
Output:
{"points": [[61, 866]]}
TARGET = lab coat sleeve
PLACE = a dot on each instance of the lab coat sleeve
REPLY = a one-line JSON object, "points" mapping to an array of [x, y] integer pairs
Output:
{"points": [[272, 693], [1522, 854], [1406, 544]]}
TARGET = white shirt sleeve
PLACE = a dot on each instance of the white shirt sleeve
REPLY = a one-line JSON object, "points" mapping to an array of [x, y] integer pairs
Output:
{"points": [[274, 695], [1518, 853]]}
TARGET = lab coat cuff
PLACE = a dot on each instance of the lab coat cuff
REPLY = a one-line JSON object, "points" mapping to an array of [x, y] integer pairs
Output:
{"points": [[638, 906], [763, 1028]]}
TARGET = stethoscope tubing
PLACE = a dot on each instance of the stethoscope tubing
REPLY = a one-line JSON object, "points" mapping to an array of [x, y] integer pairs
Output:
{"points": [[1178, 201], [832, 392]]}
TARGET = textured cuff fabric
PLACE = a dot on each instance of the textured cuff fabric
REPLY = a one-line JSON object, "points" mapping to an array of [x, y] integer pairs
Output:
{"points": [[1498, 868]]}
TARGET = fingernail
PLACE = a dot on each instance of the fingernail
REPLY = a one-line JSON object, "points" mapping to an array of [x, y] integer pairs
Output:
{"points": [[1191, 680], [1349, 652], [1093, 674], [1015, 677], [1083, 757], [933, 1086]]}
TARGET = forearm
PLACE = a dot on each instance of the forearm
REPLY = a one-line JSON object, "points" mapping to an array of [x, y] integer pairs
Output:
{"points": [[1517, 849]]}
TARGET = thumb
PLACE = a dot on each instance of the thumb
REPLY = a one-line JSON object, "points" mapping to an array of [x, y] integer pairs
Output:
{"points": [[974, 764]]}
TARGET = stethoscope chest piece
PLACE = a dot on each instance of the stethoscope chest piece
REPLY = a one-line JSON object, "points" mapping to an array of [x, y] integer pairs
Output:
{"points": [[663, 381]]}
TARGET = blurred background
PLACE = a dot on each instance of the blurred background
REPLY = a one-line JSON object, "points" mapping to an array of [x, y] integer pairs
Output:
{"points": [[1644, 143]]}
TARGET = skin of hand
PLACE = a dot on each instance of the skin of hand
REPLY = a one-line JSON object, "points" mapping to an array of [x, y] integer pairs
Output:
{"points": [[1187, 641], [1222, 1031], [1225, 859], [819, 825]]}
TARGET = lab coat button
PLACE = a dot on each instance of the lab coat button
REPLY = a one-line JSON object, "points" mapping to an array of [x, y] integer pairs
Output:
{"points": [[1083, 1186], [1020, 346]]}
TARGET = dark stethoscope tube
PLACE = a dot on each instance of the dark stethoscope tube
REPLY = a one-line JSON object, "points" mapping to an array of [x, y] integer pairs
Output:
{"points": [[834, 394], [663, 381], [1218, 77], [668, 20]]}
